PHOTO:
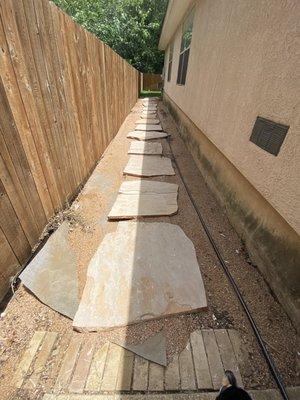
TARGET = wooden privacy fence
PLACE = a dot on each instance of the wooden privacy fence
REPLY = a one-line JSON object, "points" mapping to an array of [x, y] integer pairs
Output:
{"points": [[151, 82], [64, 95]]}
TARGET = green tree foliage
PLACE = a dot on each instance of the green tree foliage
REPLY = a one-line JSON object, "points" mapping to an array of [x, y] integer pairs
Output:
{"points": [[130, 27]]}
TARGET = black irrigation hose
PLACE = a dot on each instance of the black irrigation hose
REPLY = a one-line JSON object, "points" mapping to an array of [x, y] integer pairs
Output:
{"points": [[257, 334]]}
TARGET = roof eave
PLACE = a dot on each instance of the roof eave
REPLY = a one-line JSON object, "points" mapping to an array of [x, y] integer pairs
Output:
{"points": [[176, 10]]}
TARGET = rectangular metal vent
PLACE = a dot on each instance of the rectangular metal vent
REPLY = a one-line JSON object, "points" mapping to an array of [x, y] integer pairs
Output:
{"points": [[268, 135]]}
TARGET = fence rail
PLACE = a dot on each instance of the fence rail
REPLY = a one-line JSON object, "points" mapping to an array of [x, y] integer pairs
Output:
{"points": [[63, 96]]}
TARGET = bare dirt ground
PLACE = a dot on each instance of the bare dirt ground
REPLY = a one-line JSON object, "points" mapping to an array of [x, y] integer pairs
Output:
{"points": [[25, 314]]}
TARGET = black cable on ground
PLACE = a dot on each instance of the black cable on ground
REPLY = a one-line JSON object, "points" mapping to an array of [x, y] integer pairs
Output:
{"points": [[257, 334]]}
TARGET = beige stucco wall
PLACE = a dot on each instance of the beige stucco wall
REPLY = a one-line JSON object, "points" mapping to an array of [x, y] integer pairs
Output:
{"points": [[244, 62]]}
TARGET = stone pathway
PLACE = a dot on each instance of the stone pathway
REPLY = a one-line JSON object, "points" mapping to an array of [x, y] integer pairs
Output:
{"points": [[85, 368], [86, 371]]}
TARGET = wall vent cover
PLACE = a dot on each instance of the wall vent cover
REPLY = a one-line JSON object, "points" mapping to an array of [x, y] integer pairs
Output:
{"points": [[268, 135]]}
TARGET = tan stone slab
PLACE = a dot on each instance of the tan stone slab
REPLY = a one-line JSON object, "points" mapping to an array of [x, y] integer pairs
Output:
{"points": [[41, 360], [148, 127], [43, 276], [125, 370], [149, 205], [213, 356], [172, 376], [149, 108], [186, 367], [140, 374], [145, 198], [229, 360], [82, 368], [28, 357], [149, 101], [110, 374], [148, 148], [140, 272], [156, 378], [148, 121], [94, 379], [148, 114], [145, 186], [68, 365], [140, 165], [200, 361], [147, 135]]}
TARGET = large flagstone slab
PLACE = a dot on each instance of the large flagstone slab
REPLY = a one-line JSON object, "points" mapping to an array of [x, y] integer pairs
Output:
{"points": [[150, 101], [149, 108], [148, 116], [141, 271], [144, 198], [147, 135], [148, 127], [142, 165], [52, 275], [152, 121], [141, 147], [144, 111]]}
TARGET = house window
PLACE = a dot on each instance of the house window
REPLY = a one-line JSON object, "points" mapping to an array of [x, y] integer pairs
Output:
{"points": [[170, 61], [185, 48]]}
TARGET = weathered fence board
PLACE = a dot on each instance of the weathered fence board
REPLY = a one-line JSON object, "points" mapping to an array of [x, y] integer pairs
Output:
{"points": [[63, 96], [151, 82]]}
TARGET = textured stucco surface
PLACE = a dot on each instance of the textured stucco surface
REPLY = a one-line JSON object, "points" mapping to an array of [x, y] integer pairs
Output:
{"points": [[245, 62], [273, 244]]}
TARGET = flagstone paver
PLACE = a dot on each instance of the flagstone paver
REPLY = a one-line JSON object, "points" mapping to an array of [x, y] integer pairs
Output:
{"points": [[144, 198], [143, 165], [148, 148], [148, 114], [150, 121], [150, 108], [43, 276], [147, 135], [141, 271], [148, 127]]}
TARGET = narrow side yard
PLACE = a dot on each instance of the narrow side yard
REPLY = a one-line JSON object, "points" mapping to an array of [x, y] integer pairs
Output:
{"points": [[88, 223]]}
